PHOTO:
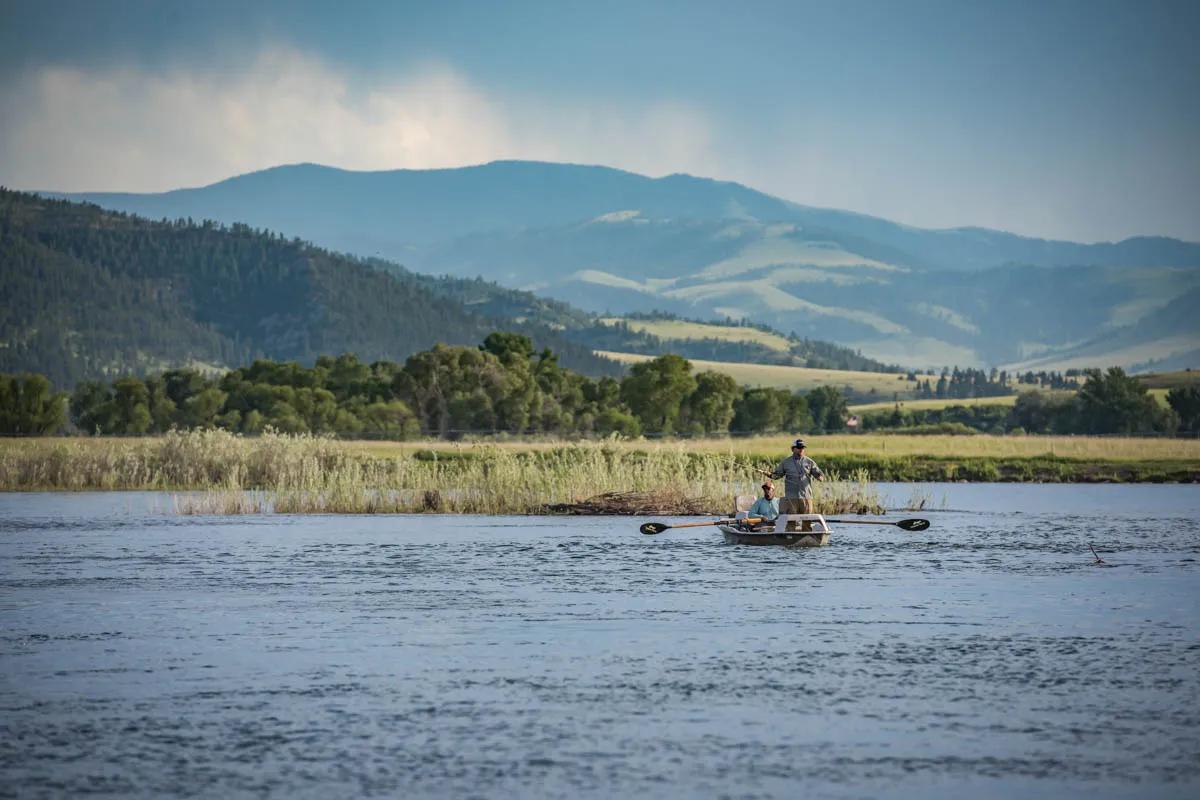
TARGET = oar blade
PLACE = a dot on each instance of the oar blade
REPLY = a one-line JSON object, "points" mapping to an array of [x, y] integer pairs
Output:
{"points": [[913, 524], [651, 528]]}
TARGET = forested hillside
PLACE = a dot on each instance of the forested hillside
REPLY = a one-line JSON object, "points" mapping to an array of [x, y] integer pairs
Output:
{"points": [[90, 293]]}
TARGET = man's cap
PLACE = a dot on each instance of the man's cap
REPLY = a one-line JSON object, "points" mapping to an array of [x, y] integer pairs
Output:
{"points": [[768, 485], [799, 443]]}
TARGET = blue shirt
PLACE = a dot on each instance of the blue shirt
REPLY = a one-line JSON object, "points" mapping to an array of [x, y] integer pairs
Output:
{"points": [[767, 509]]}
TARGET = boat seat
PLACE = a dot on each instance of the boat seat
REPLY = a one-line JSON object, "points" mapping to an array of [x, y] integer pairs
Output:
{"points": [[742, 504]]}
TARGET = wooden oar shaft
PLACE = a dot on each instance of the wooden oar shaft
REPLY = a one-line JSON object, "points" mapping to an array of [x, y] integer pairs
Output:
{"points": [[750, 521], [864, 521]]}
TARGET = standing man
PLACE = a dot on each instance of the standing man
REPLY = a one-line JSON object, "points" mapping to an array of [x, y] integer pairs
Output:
{"points": [[767, 506], [798, 473]]}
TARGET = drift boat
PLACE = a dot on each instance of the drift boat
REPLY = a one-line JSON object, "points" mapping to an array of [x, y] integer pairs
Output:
{"points": [[785, 530], [778, 534]]}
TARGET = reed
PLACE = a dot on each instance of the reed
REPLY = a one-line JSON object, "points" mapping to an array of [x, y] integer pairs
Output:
{"points": [[307, 474], [313, 474]]}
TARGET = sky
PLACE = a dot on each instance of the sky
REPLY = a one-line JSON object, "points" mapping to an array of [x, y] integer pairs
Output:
{"points": [[1067, 120]]}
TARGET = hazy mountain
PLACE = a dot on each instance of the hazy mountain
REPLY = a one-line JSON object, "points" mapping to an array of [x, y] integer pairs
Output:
{"points": [[608, 240], [398, 212]]}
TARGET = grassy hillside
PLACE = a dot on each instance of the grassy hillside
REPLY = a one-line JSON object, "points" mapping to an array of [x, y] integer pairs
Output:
{"points": [[656, 333], [937, 402], [797, 378], [1170, 380], [688, 330]]}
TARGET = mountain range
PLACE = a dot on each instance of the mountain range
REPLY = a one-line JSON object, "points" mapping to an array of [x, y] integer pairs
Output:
{"points": [[610, 241]]}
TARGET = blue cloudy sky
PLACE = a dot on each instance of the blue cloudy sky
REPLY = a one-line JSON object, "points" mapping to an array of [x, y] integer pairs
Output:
{"points": [[1076, 120]]}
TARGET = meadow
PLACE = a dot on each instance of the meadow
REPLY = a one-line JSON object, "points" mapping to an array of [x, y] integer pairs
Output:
{"points": [[936, 403], [686, 330], [795, 378], [1170, 380]]}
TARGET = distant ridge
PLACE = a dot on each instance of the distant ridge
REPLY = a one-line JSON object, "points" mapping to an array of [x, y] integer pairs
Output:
{"points": [[437, 204], [607, 240]]}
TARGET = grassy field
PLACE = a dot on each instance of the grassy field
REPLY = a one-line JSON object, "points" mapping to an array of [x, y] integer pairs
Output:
{"points": [[1170, 380], [681, 329], [769, 448], [795, 378], [934, 403]]}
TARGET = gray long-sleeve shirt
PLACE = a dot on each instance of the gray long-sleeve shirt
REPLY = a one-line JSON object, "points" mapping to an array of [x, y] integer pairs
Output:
{"points": [[798, 475]]}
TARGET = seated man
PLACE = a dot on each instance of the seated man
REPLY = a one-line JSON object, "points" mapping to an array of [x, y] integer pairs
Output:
{"points": [[767, 506]]}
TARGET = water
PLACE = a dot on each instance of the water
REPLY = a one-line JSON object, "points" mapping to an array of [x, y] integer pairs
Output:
{"points": [[148, 654]]}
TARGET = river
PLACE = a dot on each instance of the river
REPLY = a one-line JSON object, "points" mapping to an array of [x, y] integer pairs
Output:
{"points": [[149, 654]]}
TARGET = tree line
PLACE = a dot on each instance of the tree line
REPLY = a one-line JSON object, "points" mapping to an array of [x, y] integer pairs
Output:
{"points": [[1107, 402], [501, 386], [506, 386]]}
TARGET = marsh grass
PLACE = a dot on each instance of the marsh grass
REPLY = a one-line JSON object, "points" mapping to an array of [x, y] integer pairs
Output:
{"points": [[227, 474], [487, 480], [312, 474]]}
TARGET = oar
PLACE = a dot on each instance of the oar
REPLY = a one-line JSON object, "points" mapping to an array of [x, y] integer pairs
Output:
{"points": [[904, 524], [659, 527]]}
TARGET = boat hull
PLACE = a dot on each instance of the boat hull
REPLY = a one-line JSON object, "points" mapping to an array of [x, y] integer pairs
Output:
{"points": [[770, 537]]}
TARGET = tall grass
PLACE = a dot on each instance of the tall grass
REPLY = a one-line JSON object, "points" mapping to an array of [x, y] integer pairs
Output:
{"points": [[317, 474], [307, 474]]}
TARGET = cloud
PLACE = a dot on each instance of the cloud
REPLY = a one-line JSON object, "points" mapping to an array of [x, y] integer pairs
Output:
{"points": [[137, 130]]}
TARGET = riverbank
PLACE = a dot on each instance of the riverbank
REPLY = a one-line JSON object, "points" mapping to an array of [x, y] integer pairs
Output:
{"points": [[307, 474]]}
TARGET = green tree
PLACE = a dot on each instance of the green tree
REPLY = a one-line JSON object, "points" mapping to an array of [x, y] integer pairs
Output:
{"points": [[796, 415], [91, 407], [201, 409], [29, 405], [162, 407], [508, 347], [761, 410], [181, 384], [1040, 412], [655, 390], [392, 420], [464, 389], [617, 421], [130, 406], [828, 409], [1113, 402], [253, 421], [709, 408], [1185, 400], [345, 375]]}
